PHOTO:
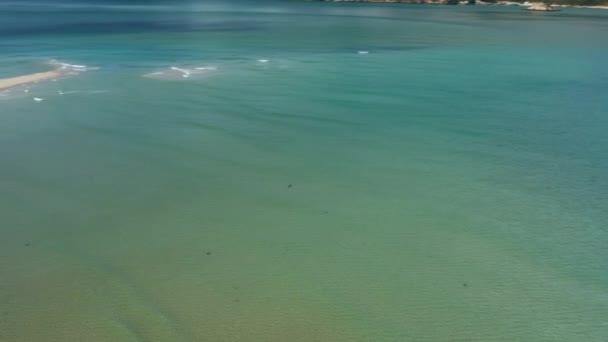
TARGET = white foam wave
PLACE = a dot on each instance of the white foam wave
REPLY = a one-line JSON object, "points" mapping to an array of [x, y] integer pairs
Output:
{"points": [[70, 69], [185, 73], [181, 72], [87, 92]]}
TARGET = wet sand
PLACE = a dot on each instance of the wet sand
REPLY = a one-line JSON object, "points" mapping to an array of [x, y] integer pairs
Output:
{"points": [[6, 83]]}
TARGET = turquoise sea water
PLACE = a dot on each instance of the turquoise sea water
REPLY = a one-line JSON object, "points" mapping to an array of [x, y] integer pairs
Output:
{"points": [[448, 185]]}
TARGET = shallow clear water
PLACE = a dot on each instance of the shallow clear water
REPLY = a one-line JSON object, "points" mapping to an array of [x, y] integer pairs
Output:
{"points": [[448, 185]]}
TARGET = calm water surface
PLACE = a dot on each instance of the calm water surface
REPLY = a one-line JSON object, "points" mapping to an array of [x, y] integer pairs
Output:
{"points": [[285, 171]]}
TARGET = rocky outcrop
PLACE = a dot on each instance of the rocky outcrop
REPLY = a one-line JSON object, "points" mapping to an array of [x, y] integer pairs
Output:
{"points": [[542, 7]]}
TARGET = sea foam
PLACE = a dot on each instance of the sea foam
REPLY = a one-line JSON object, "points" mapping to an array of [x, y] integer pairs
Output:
{"points": [[70, 69], [182, 72]]}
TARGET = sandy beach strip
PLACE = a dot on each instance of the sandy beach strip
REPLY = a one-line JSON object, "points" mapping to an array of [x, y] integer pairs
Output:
{"points": [[6, 83]]}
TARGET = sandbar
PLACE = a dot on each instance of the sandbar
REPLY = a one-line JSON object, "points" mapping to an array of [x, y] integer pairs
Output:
{"points": [[10, 82]]}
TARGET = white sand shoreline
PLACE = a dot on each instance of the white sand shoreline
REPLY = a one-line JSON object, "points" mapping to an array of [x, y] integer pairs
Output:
{"points": [[6, 83]]}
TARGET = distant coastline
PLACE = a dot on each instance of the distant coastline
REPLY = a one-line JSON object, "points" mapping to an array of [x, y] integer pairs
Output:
{"points": [[534, 6]]}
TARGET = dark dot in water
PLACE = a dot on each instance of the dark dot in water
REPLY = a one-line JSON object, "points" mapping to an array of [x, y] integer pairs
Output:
{"points": [[208, 253], [465, 284], [27, 244], [326, 212], [289, 186]]}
